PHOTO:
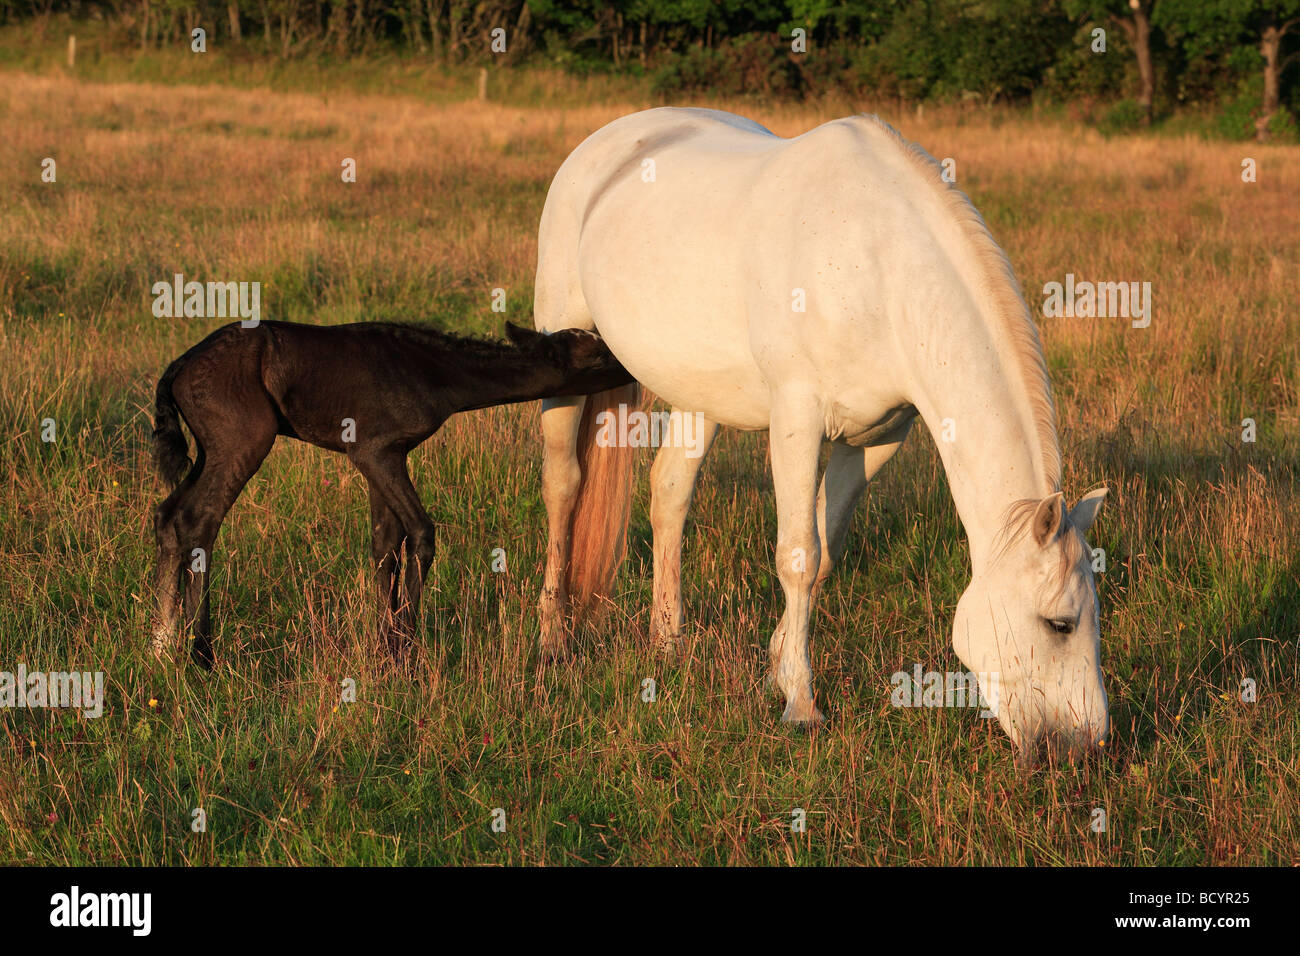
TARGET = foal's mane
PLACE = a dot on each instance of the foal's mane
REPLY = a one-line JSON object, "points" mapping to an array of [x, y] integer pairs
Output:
{"points": [[1004, 292], [469, 347]]}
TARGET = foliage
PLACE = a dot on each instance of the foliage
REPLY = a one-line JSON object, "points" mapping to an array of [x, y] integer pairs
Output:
{"points": [[981, 50]]}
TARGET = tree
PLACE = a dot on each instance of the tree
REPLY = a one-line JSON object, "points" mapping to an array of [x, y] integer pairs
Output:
{"points": [[1134, 18], [1203, 23]]}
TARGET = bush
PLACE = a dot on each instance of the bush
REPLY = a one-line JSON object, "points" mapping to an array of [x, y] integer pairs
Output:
{"points": [[751, 64], [1123, 117], [1237, 115]]}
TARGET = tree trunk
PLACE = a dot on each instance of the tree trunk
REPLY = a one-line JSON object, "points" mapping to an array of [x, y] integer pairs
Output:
{"points": [[286, 33], [519, 42], [232, 11], [411, 25], [434, 13], [1138, 31], [1142, 44], [1270, 45], [453, 33]]}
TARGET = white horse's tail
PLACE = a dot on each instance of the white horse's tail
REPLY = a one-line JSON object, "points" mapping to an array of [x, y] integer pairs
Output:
{"points": [[604, 505]]}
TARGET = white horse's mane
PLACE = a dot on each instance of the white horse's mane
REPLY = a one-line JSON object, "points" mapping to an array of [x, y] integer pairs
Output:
{"points": [[1004, 291]]}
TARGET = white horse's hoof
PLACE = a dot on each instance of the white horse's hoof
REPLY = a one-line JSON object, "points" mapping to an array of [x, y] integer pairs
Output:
{"points": [[802, 713], [664, 643], [553, 644], [160, 644]]}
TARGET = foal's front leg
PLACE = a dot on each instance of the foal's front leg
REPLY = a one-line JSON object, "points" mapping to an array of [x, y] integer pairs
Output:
{"points": [[797, 429], [385, 469]]}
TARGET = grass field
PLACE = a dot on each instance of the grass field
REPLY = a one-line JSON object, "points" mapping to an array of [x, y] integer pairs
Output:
{"points": [[1202, 588]]}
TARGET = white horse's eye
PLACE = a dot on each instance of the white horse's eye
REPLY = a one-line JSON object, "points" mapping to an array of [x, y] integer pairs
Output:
{"points": [[1061, 626]]}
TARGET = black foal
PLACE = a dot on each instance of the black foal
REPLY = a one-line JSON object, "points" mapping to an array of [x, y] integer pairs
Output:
{"points": [[373, 391]]}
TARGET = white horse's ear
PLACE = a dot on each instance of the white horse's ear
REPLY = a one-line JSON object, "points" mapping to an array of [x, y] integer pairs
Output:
{"points": [[1084, 513], [1048, 518]]}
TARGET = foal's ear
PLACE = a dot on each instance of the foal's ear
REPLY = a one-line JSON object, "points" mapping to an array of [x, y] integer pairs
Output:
{"points": [[1049, 518], [1084, 513], [522, 337]]}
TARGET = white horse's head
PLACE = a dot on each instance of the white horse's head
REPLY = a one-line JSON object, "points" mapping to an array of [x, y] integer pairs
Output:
{"points": [[1028, 626]]}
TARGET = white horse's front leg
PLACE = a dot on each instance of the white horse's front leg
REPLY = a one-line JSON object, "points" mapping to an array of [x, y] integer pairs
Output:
{"points": [[561, 479], [797, 431], [672, 485]]}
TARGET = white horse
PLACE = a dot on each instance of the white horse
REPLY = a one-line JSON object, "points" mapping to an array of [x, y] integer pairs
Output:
{"points": [[827, 287]]}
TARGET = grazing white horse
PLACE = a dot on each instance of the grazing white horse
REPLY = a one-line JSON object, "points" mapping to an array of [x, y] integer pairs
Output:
{"points": [[826, 287]]}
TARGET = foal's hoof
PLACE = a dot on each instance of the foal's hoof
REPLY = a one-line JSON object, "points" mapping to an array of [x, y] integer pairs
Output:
{"points": [[553, 651], [803, 715], [400, 653]]}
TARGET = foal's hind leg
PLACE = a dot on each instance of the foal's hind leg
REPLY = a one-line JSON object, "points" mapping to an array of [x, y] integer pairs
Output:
{"points": [[385, 469], [672, 485], [386, 556], [169, 561], [235, 447], [561, 478]]}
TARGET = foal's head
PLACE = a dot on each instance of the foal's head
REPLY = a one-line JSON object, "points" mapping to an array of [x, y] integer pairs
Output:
{"points": [[1028, 626], [582, 357]]}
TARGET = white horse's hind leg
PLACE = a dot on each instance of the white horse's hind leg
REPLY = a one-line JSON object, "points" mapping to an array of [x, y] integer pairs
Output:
{"points": [[561, 478], [847, 475], [796, 437], [842, 485], [672, 485]]}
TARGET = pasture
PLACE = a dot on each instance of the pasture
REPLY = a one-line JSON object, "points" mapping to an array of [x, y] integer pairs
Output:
{"points": [[1201, 589]]}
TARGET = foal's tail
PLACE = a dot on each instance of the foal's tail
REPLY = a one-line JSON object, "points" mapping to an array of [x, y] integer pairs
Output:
{"points": [[171, 453], [604, 505]]}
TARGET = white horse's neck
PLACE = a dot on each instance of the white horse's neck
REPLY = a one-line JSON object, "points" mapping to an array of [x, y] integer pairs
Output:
{"points": [[980, 394], [976, 365]]}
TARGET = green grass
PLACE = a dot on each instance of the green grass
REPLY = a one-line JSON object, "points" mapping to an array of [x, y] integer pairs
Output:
{"points": [[1200, 591]]}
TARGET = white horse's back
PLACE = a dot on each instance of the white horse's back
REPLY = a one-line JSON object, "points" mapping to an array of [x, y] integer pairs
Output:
{"points": [[754, 223]]}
